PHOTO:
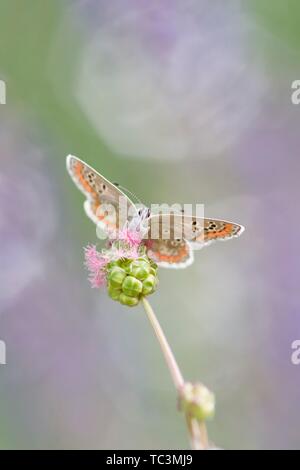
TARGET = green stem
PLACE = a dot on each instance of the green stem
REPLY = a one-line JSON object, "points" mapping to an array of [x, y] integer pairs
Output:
{"points": [[197, 431], [167, 352]]}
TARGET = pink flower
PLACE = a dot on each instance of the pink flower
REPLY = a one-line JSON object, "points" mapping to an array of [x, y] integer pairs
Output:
{"points": [[127, 245], [95, 262], [132, 238]]}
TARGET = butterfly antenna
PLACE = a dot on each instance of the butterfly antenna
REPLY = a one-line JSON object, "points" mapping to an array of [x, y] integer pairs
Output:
{"points": [[129, 192]]}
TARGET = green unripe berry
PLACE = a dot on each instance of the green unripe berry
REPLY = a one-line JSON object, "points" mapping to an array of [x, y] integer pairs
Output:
{"points": [[144, 259], [149, 284], [112, 264], [113, 292], [125, 264], [116, 276], [132, 286], [140, 269], [127, 300], [129, 279], [153, 271]]}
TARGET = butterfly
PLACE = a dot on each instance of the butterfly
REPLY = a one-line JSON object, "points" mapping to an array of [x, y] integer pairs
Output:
{"points": [[170, 250]]}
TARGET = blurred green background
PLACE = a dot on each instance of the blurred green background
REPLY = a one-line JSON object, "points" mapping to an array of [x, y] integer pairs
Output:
{"points": [[179, 101]]}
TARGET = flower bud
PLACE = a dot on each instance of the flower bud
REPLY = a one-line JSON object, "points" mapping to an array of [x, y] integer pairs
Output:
{"points": [[132, 286], [130, 279], [127, 300], [125, 264], [153, 271], [197, 401], [116, 276], [113, 292], [149, 285], [140, 269]]}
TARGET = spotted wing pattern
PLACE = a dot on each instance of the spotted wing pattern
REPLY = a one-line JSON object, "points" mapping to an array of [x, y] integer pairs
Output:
{"points": [[173, 236], [170, 253], [100, 194]]}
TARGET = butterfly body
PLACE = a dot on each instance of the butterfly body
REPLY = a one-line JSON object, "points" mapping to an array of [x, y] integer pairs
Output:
{"points": [[169, 238]]}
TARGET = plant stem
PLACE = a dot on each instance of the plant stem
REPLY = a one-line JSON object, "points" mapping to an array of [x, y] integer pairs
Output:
{"points": [[194, 432], [167, 352], [197, 430], [198, 434]]}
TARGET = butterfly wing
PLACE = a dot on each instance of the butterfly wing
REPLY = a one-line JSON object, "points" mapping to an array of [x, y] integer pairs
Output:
{"points": [[172, 237], [164, 246], [212, 230], [170, 253], [100, 195]]}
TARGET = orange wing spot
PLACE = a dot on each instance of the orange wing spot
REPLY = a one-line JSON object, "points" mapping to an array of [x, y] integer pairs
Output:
{"points": [[173, 259], [78, 172], [221, 233]]}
